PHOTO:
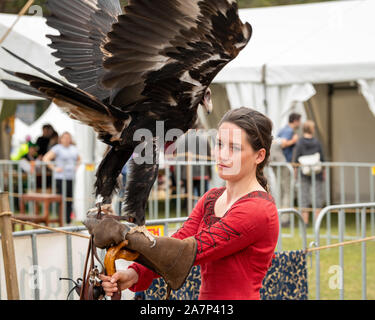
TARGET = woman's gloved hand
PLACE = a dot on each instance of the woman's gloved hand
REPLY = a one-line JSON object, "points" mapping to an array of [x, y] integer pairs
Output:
{"points": [[106, 231]]}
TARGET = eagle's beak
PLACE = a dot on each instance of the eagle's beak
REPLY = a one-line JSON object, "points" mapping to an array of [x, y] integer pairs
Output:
{"points": [[207, 102], [209, 107]]}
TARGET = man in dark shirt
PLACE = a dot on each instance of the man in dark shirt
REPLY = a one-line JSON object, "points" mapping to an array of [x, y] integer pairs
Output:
{"points": [[43, 141]]}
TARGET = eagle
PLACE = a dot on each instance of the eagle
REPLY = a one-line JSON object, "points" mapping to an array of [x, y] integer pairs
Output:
{"points": [[130, 69]]}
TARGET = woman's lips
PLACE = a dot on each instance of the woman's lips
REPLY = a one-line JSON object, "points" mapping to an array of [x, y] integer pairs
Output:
{"points": [[222, 165]]}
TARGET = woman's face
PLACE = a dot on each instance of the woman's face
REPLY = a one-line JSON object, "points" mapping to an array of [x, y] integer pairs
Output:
{"points": [[66, 140], [235, 157]]}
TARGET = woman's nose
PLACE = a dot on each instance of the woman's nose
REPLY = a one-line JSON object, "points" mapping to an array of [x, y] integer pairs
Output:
{"points": [[224, 154]]}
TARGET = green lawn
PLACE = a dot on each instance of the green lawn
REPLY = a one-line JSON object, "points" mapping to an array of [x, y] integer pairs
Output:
{"points": [[330, 257]]}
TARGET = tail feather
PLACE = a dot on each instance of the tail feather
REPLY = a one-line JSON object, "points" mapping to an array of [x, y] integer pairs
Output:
{"points": [[37, 69], [24, 88], [65, 88], [109, 121]]}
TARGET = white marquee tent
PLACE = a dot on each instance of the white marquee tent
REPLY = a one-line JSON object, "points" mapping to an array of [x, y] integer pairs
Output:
{"points": [[292, 47], [28, 40], [296, 46]]}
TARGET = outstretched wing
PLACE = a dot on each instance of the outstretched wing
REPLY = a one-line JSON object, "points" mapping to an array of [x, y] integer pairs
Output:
{"points": [[83, 27], [169, 51]]}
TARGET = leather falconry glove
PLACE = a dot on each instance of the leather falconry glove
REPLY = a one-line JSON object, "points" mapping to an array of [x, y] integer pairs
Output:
{"points": [[169, 257]]}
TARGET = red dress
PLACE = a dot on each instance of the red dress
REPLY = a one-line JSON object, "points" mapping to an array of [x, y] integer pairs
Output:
{"points": [[234, 251]]}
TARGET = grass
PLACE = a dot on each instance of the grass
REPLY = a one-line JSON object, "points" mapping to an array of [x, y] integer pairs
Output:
{"points": [[330, 257]]}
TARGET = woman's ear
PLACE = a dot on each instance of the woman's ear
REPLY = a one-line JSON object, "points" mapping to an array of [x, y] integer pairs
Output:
{"points": [[261, 155]]}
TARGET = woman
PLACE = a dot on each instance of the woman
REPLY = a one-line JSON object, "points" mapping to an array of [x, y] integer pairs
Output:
{"points": [[236, 227], [66, 160], [310, 149]]}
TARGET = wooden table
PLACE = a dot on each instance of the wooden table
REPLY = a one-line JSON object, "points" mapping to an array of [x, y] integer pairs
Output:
{"points": [[38, 198]]}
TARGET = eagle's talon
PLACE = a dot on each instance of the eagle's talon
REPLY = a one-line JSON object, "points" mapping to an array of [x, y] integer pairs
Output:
{"points": [[101, 209]]}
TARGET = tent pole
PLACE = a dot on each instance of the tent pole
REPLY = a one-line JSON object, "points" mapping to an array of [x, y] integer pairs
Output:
{"points": [[264, 82], [20, 14], [331, 90]]}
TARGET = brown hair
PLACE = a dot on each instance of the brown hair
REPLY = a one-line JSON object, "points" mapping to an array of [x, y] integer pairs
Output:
{"points": [[294, 117], [258, 128], [309, 127]]}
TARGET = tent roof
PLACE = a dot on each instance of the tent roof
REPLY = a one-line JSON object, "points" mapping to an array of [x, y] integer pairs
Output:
{"points": [[57, 118], [323, 42], [53, 115], [318, 43], [28, 40]]}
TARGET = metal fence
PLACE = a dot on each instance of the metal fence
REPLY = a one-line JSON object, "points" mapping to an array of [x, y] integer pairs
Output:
{"points": [[172, 224], [176, 190], [166, 223], [341, 236], [21, 177]]}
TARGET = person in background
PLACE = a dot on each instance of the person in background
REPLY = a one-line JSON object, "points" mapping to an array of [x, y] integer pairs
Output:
{"points": [[309, 150], [23, 150], [32, 154], [289, 135], [197, 144], [66, 160], [27, 161], [44, 139], [284, 196], [54, 140]]}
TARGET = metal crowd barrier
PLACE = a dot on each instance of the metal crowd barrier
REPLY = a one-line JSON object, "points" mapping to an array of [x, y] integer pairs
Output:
{"points": [[20, 177], [290, 211], [293, 212], [178, 198], [341, 231], [33, 234]]}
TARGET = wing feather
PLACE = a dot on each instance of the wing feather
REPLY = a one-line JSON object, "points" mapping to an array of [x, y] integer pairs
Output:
{"points": [[165, 51], [83, 27], [181, 45]]}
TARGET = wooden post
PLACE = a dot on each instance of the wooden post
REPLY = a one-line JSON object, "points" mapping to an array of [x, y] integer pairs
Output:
{"points": [[9, 257]]}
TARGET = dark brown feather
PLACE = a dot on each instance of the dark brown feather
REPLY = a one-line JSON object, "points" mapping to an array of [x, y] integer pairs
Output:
{"points": [[83, 27]]}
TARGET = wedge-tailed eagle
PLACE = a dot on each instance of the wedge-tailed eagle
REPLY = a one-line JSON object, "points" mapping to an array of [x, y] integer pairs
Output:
{"points": [[128, 69]]}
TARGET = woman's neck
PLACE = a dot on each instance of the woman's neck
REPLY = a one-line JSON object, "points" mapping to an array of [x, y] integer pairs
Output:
{"points": [[237, 189]]}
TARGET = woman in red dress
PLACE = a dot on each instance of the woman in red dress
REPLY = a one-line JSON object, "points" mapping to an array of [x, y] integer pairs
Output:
{"points": [[237, 226]]}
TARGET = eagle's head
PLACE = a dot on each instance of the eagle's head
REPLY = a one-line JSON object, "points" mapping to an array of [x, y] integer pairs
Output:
{"points": [[206, 102]]}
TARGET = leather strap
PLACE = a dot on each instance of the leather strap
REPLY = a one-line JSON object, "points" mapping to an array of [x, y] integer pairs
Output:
{"points": [[84, 278]]}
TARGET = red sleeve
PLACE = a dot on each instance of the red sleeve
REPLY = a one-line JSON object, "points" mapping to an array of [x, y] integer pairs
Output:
{"points": [[246, 223], [188, 229]]}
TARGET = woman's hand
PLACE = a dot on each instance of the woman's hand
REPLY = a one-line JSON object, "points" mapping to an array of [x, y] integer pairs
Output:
{"points": [[121, 280], [57, 169]]}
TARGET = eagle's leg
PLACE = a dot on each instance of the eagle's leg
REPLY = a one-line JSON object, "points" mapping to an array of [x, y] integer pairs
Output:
{"points": [[106, 178], [143, 171]]}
